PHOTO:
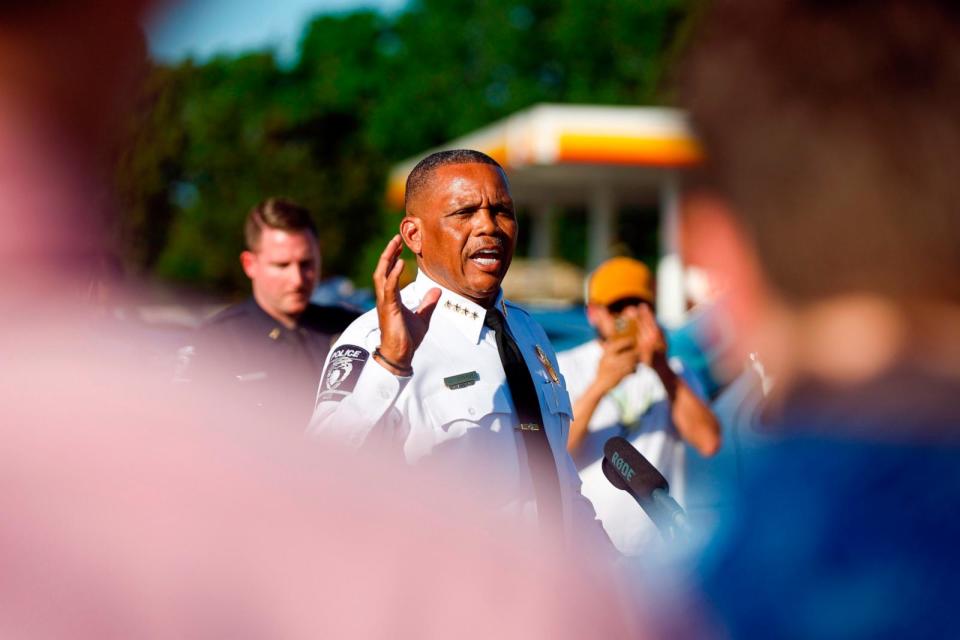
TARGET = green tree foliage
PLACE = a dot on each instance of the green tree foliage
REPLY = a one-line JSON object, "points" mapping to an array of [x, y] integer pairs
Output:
{"points": [[366, 90], [151, 164]]}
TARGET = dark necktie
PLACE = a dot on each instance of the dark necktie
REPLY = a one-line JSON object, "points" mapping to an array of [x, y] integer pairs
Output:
{"points": [[543, 469]]}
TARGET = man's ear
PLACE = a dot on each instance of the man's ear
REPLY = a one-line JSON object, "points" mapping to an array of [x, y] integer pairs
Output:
{"points": [[712, 237], [592, 313], [248, 260], [410, 231]]}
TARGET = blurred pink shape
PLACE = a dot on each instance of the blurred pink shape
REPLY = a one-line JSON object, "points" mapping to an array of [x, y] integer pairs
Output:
{"points": [[123, 517], [131, 510]]}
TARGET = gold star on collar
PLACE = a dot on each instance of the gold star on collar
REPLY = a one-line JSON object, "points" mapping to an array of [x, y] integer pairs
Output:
{"points": [[274, 333]]}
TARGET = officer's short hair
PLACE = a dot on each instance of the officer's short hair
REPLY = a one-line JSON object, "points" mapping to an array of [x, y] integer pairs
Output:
{"points": [[832, 128], [421, 174], [276, 213]]}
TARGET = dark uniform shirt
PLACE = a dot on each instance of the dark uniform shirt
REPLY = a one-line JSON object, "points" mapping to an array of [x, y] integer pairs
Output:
{"points": [[255, 361]]}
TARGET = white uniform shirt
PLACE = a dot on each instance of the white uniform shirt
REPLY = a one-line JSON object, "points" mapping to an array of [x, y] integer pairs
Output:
{"points": [[467, 430], [639, 410]]}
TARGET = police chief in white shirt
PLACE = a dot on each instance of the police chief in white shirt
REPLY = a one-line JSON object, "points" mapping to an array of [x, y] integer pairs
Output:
{"points": [[422, 371], [622, 385]]}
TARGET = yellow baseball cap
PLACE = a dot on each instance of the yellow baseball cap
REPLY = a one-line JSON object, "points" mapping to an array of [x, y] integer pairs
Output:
{"points": [[619, 278]]}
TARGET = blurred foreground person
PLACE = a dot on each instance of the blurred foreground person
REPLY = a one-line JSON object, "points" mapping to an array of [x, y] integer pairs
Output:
{"points": [[622, 385], [123, 520], [268, 351], [447, 373], [829, 204]]}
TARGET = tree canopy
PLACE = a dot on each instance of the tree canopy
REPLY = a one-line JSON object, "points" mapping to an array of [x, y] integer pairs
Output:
{"points": [[211, 139]]}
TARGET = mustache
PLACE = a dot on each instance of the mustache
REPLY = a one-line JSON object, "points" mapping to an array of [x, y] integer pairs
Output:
{"points": [[493, 242]]}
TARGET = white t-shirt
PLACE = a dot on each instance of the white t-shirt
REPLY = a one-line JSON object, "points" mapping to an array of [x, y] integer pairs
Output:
{"points": [[639, 410]]}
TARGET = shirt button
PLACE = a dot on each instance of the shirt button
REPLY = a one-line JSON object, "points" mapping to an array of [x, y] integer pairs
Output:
{"points": [[471, 411], [385, 394]]}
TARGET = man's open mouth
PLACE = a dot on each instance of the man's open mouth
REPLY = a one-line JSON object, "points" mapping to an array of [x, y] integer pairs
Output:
{"points": [[488, 258]]}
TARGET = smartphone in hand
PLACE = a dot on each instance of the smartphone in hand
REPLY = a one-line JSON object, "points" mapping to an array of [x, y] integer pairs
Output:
{"points": [[625, 327]]}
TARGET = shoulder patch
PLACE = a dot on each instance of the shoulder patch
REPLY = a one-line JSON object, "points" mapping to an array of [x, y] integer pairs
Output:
{"points": [[343, 369]]}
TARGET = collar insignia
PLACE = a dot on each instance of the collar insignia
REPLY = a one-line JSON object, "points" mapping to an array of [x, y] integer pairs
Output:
{"points": [[460, 309]]}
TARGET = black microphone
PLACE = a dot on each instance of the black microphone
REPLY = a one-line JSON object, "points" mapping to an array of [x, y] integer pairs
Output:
{"points": [[627, 469]]}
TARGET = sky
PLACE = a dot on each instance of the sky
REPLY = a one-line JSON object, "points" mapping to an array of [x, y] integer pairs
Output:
{"points": [[202, 28]]}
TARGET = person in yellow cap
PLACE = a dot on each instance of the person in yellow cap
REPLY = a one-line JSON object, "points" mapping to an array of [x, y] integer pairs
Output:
{"points": [[622, 385]]}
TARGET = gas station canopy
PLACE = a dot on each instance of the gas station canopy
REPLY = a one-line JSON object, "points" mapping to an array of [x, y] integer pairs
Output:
{"points": [[560, 153]]}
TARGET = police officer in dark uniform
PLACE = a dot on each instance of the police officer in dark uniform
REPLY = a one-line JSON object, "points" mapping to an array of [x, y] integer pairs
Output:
{"points": [[267, 353]]}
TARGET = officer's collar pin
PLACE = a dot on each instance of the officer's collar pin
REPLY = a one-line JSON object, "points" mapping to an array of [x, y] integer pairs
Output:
{"points": [[274, 333], [461, 309], [469, 316]]}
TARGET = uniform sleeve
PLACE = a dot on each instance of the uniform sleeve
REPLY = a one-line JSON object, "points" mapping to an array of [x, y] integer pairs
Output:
{"points": [[357, 396]]}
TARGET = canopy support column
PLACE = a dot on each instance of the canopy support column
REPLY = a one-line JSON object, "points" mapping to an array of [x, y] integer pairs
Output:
{"points": [[541, 230], [671, 294], [602, 218]]}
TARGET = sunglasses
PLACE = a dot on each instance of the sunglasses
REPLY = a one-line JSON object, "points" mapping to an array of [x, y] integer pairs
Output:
{"points": [[619, 306]]}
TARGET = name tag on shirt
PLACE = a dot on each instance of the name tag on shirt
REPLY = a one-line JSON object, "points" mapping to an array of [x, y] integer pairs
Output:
{"points": [[461, 380]]}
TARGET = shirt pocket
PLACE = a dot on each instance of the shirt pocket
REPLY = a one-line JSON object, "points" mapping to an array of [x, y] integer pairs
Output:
{"points": [[453, 411], [557, 398], [557, 402]]}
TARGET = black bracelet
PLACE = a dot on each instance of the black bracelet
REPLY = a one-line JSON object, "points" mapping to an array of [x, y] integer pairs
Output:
{"points": [[404, 371]]}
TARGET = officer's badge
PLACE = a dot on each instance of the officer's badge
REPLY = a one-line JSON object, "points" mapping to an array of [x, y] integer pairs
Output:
{"points": [[545, 361], [344, 367]]}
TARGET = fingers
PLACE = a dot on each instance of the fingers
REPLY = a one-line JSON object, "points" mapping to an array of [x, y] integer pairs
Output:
{"points": [[620, 345], [386, 265], [648, 322], [650, 331], [428, 305], [391, 285]]}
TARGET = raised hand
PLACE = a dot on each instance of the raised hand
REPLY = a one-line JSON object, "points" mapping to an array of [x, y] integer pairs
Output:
{"points": [[619, 360], [401, 330], [651, 343]]}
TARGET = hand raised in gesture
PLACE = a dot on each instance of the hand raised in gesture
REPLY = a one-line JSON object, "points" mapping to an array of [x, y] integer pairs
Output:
{"points": [[401, 329]]}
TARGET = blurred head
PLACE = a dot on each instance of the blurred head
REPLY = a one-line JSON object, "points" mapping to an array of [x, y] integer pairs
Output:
{"points": [[77, 78], [831, 134], [831, 137], [618, 287], [460, 222], [69, 75], [282, 258]]}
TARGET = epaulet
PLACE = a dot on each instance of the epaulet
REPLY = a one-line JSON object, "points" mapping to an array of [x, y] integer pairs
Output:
{"points": [[512, 306]]}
